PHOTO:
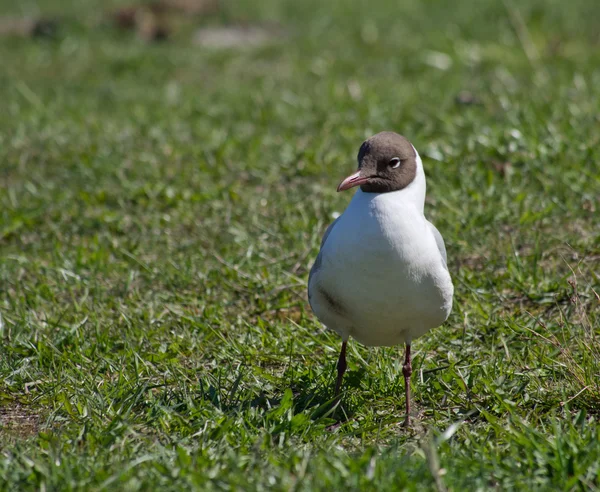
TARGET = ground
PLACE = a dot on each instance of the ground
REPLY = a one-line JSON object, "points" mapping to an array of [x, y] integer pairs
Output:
{"points": [[161, 204]]}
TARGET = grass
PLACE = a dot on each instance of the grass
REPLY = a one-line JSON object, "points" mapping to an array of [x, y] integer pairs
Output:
{"points": [[161, 204]]}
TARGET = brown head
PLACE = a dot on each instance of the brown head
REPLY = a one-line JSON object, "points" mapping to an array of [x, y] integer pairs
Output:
{"points": [[386, 162]]}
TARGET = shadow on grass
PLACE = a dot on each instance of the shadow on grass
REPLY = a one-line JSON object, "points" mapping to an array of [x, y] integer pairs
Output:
{"points": [[314, 399]]}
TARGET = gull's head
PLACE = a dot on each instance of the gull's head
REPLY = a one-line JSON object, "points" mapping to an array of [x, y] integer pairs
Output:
{"points": [[386, 162]]}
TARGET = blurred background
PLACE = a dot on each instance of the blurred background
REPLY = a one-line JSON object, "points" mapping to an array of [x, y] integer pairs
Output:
{"points": [[151, 126]]}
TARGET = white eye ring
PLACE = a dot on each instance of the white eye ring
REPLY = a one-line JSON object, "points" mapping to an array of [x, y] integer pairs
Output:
{"points": [[395, 162]]}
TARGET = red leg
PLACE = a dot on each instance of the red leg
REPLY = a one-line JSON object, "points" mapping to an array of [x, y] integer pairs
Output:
{"points": [[407, 371], [341, 367]]}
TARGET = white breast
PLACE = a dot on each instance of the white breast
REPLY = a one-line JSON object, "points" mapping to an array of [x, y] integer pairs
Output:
{"points": [[382, 268]]}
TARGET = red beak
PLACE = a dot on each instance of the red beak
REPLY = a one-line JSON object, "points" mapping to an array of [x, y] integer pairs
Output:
{"points": [[351, 181]]}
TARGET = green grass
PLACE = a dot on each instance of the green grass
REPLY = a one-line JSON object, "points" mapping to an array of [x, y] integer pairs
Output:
{"points": [[161, 204]]}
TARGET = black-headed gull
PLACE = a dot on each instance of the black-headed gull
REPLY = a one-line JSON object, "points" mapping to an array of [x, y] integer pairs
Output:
{"points": [[381, 274]]}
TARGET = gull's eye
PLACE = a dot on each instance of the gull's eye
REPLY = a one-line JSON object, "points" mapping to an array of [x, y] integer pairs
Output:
{"points": [[394, 163]]}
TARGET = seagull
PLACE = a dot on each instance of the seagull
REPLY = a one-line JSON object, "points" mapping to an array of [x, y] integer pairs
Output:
{"points": [[381, 274]]}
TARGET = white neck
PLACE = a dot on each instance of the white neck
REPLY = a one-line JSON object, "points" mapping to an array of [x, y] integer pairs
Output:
{"points": [[415, 192]]}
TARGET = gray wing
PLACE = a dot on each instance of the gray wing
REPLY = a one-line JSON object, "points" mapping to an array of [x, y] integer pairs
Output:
{"points": [[317, 263], [440, 242]]}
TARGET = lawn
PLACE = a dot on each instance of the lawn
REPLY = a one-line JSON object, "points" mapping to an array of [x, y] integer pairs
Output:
{"points": [[161, 204]]}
